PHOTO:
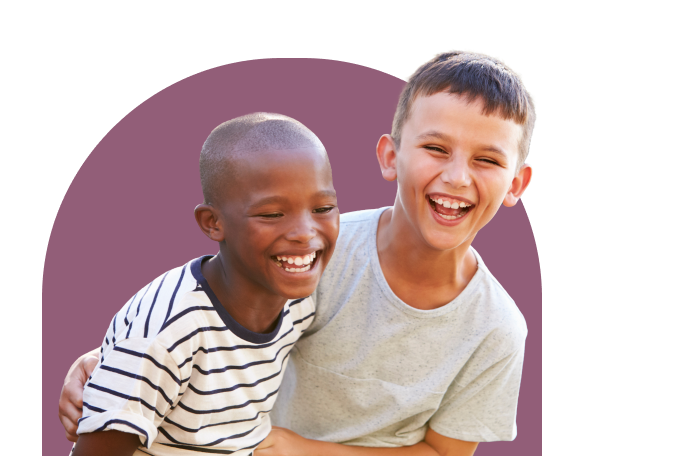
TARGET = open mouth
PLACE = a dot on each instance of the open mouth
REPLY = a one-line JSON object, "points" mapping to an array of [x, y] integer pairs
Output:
{"points": [[448, 208], [296, 264]]}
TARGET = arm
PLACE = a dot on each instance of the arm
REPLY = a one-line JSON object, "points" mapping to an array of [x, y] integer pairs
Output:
{"points": [[71, 397], [283, 442], [106, 443]]}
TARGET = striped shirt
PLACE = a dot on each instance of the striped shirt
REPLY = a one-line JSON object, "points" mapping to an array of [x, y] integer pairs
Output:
{"points": [[179, 371]]}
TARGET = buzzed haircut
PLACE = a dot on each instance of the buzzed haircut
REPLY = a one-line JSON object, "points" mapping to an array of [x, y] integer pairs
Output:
{"points": [[244, 135], [476, 76]]}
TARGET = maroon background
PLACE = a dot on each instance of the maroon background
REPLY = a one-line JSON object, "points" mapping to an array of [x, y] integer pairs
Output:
{"points": [[593, 381]]}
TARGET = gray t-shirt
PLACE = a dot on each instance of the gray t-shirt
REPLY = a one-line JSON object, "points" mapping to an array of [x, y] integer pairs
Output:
{"points": [[373, 371]]}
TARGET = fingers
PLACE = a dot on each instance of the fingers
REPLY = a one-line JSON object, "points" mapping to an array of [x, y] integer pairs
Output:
{"points": [[68, 416], [71, 406], [88, 365]]}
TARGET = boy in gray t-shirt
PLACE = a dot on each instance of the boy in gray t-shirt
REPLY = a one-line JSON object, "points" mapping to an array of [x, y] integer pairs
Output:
{"points": [[415, 345]]}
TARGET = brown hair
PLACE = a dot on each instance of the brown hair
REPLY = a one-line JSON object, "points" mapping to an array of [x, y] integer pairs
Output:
{"points": [[476, 76]]}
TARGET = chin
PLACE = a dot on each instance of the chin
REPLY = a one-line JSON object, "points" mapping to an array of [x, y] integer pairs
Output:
{"points": [[296, 292]]}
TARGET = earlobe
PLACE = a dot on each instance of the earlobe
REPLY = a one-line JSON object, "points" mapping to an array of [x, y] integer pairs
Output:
{"points": [[387, 157], [208, 221]]}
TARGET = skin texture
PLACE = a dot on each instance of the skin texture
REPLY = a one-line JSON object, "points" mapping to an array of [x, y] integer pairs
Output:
{"points": [[285, 205], [447, 147]]}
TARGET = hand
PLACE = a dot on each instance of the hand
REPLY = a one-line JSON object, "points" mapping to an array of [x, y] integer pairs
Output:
{"points": [[71, 397], [283, 442]]}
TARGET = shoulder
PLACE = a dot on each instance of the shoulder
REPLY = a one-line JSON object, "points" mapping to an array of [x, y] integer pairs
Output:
{"points": [[357, 227], [497, 309], [174, 297]]}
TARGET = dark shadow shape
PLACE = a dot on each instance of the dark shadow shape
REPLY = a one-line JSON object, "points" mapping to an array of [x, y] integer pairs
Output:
{"points": [[24, 240]]}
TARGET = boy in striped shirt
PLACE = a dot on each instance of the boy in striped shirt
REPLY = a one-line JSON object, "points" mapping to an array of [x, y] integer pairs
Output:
{"points": [[193, 362]]}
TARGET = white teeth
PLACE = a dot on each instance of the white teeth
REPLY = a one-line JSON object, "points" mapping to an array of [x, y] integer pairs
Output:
{"points": [[304, 269], [297, 260], [449, 204], [451, 217]]}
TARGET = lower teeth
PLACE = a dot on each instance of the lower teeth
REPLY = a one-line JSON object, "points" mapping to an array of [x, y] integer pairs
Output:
{"points": [[298, 270], [452, 217]]}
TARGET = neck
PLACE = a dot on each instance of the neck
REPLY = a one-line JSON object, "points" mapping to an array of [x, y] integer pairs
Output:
{"points": [[252, 306], [420, 275]]}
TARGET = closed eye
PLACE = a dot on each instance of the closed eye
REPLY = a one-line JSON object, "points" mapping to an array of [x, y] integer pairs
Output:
{"points": [[323, 210], [435, 149], [488, 160], [274, 215]]}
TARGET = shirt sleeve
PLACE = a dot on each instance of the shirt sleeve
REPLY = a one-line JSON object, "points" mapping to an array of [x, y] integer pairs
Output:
{"points": [[133, 387], [483, 410]]}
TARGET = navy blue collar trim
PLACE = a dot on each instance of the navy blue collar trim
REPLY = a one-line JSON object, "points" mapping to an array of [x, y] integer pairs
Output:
{"points": [[234, 326]]}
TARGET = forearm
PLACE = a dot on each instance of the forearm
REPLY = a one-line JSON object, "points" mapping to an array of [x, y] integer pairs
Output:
{"points": [[106, 443]]}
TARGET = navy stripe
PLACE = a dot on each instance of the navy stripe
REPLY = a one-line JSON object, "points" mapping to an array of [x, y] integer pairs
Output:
{"points": [[146, 356], [127, 397], [173, 297], [93, 408], [296, 322], [114, 329], [230, 407], [139, 377], [194, 333], [187, 429], [215, 442], [149, 315], [296, 301], [240, 367], [130, 304], [239, 385], [184, 313], [234, 347], [138, 310], [106, 340], [211, 450], [131, 425]]}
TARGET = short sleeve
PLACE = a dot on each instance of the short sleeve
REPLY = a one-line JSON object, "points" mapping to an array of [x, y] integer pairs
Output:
{"points": [[483, 410], [135, 385]]}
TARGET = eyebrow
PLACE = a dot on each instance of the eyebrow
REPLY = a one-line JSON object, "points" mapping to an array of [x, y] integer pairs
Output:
{"points": [[444, 137], [433, 134], [281, 199]]}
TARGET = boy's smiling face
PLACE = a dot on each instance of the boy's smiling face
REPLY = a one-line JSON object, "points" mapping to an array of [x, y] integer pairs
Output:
{"points": [[454, 167], [281, 207]]}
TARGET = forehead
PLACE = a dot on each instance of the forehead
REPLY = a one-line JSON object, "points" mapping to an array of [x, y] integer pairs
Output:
{"points": [[295, 173], [453, 118]]}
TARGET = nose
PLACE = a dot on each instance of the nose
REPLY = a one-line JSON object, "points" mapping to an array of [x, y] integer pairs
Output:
{"points": [[301, 229], [456, 172]]}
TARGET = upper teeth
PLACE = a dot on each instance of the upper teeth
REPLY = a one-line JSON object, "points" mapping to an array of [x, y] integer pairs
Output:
{"points": [[298, 260], [449, 204]]}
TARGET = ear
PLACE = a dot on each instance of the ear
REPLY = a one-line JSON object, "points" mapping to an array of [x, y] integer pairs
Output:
{"points": [[387, 157], [209, 222], [518, 186]]}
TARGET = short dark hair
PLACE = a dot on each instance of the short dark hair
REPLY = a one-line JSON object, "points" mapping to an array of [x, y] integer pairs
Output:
{"points": [[247, 134], [475, 76]]}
